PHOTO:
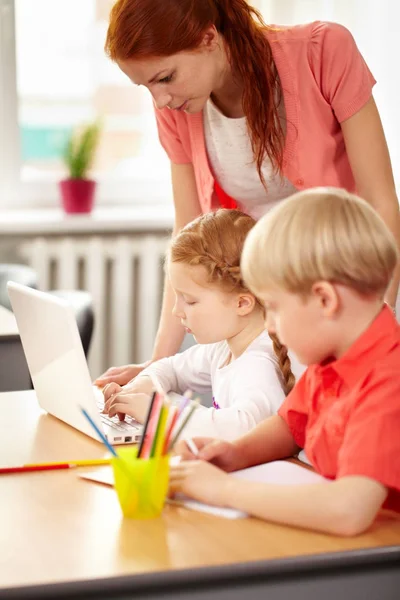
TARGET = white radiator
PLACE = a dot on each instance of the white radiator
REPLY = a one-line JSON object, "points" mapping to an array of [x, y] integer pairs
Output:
{"points": [[123, 274]]}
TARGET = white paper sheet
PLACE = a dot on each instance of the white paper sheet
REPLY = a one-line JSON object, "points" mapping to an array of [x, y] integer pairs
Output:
{"points": [[280, 472], [277, 472]]}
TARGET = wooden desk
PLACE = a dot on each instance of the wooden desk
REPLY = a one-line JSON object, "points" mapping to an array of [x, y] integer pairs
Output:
{"points": [[56, 527]]}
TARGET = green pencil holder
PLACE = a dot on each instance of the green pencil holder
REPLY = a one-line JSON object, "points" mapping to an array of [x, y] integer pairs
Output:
{"points": [[141, 484]]}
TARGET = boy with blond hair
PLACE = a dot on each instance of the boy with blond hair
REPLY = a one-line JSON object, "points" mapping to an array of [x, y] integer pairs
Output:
{"points": [[320, 262]]}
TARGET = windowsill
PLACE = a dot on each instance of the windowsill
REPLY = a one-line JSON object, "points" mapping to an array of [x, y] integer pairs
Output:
{"points": [[111, 219], [139, 189]]}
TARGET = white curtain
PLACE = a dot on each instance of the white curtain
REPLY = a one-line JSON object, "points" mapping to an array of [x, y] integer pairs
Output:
{"points": [[375, 26]]}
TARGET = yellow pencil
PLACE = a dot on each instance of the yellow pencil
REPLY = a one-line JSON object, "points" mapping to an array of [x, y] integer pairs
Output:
{"points": [[90, 463], [159, 441], [76, 463]]}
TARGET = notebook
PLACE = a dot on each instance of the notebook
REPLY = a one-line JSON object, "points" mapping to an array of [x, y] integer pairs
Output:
{"points": [[278, 472]]}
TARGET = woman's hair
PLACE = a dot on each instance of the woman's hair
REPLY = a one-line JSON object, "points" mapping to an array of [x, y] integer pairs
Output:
{"points": [[215, 241], [323, 234], [148, 28]]}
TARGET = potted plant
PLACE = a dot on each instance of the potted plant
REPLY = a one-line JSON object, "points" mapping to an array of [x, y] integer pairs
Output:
{"points": [[77, 191]]}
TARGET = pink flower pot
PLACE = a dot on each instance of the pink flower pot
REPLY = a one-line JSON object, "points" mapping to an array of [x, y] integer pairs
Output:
{"points": [[77, 195]]}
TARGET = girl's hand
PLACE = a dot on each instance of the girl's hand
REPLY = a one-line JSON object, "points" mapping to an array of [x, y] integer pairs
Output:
{"points": [[127, 400], [109, 391], [201, 481], [125, 403]]}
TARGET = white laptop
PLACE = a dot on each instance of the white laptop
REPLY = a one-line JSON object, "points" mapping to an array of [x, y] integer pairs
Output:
{"points": [[57, 364]]}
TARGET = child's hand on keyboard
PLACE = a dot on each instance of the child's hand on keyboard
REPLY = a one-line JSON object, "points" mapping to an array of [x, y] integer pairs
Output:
{"points": [[132, 399]]}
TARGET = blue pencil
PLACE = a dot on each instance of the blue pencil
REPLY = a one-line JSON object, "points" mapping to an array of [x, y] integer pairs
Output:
{"points": [[99, 433]]}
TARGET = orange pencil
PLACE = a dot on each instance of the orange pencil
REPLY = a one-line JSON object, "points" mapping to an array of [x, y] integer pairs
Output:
{"points": [[174, 414]]}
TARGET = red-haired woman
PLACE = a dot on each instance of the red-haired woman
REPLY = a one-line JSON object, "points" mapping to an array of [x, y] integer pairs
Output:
{"points": [[250, 113]]}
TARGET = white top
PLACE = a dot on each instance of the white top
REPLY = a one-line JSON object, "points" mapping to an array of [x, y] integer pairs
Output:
{"points": [[247, 390], [231, 159]]}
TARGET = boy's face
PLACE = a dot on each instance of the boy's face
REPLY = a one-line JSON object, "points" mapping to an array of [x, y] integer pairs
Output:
{"points": [[298, 323]]}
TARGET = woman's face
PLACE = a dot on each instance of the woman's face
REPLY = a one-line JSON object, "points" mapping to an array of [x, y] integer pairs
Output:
{"points": [[182, 81]]}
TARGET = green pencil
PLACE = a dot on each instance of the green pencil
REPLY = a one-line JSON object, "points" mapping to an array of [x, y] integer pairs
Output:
{"points": [[194, 405]]}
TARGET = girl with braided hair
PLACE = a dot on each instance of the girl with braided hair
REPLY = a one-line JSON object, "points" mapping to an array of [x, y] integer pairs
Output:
{"points": [[248, 371]]}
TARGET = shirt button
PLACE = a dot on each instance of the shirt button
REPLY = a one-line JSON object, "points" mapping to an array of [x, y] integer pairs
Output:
{"points": [[300, 182]]}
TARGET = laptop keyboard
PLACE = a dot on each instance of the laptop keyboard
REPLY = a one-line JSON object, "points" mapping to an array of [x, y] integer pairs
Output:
{"points": [[114, 422]]}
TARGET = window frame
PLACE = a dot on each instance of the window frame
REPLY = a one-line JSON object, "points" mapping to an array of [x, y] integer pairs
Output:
{"points": [[10, 161]]}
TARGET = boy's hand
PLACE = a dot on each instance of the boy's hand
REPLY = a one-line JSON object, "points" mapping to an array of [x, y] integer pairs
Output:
{"points": [[183, 450], [220, 453], [199, 480]]}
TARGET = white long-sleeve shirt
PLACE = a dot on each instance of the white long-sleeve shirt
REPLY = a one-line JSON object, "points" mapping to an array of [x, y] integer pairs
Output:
{"points": [[246, 391]]}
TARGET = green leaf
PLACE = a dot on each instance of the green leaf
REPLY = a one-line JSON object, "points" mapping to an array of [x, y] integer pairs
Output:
{"points": [[81, 149]]}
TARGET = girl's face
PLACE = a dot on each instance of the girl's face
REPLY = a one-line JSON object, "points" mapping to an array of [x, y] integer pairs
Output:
{"points": [[205, 310], [183, 81]]}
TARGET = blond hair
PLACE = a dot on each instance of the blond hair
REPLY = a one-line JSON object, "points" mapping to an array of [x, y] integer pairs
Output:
{"points": [[321, 234], [215, 241]]}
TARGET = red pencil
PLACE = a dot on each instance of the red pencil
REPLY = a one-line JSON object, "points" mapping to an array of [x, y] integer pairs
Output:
{"points": [[7, 470], [151, 427], [53, 466]]}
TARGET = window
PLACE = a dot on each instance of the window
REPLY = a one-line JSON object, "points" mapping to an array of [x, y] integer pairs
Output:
{"points": [[64, 80]]}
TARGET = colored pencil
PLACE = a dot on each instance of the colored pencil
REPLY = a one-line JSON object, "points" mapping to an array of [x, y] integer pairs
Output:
{"points": [[144, 432], [185, 421], [192, 447], [75, 463], [173, 417], [187, 396], [9, 470], [177, 411], [99, 433], [158, 443], [155, 426], [54, 466], [151, 428]]}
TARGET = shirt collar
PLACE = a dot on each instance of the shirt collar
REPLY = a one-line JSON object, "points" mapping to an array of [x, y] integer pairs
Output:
{"points": [[381, 335]]}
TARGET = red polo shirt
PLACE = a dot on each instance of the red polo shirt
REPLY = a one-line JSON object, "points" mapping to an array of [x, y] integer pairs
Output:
{"points": [[346, 414]]}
